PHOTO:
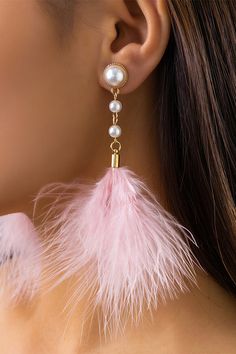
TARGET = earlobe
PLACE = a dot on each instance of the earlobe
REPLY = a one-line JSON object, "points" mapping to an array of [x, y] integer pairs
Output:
{"points": [[141, 40]]}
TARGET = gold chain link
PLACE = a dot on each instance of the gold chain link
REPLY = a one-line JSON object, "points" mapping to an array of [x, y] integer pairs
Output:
{"points": [[115, 92], [115, 141]]}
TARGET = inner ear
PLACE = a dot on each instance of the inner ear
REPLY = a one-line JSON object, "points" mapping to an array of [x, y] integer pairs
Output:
{"points": [[127, 33]]}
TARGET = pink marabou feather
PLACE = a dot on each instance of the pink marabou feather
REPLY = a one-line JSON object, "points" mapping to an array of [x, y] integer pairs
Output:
{"points": [[120, 243], [19, 257]]}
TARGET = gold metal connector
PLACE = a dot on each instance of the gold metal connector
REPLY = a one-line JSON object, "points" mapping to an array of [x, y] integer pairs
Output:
{"points": [[115, 159]]}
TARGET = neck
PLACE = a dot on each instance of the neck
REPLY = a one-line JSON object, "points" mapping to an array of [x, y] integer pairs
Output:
{"points": [[200, 321]]}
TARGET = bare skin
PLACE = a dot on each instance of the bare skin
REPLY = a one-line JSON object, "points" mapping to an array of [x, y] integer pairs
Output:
{"points": [[202, 321], [54, 122]]}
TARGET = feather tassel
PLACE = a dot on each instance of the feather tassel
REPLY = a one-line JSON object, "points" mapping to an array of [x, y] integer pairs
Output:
{"points": [[19, 257], [121, 245]]}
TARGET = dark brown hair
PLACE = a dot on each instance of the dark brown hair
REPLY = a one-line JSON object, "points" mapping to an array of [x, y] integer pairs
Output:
{"points": [[197, 128]]}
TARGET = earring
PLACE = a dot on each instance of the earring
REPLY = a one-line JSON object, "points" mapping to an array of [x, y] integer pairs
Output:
{"points": [[116, 76], [125, 250], [20, 264]]}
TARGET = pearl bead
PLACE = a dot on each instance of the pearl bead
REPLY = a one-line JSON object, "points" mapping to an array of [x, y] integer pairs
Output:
{"points": [[115, 131], [115, 106], [115, 75]]}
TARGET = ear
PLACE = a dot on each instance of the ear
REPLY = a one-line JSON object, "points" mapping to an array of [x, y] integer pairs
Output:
{"points": [[137, 37]]}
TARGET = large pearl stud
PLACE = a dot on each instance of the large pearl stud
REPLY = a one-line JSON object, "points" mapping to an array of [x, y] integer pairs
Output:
{"points": [[115, 75]]}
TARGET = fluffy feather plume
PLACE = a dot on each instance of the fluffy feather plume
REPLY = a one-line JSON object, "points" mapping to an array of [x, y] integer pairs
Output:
{"points": [[19, 257], [124, 249]]}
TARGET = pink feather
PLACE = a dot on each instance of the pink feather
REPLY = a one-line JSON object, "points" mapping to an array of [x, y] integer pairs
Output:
{"points": [[19, 257], [124, 249]]}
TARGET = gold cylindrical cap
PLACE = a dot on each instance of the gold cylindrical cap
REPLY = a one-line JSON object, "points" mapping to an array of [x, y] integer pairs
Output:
{"points": [[115, 160]]}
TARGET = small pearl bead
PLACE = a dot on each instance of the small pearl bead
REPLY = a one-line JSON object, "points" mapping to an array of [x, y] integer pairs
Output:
{"points": [[114, 76], [115, 106], [115, 131]]}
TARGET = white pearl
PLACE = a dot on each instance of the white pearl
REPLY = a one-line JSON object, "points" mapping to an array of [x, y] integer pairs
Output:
{"points": [[114, 75], [115, 106], [115, 131]]}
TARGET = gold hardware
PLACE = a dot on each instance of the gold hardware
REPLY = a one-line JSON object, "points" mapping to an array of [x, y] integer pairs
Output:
{"points": [[115, 159], [115, 92], [115, 141]]}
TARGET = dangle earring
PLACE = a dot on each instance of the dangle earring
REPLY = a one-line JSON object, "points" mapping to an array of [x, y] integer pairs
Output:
{"points": [[115, 238], [116, 76]]}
